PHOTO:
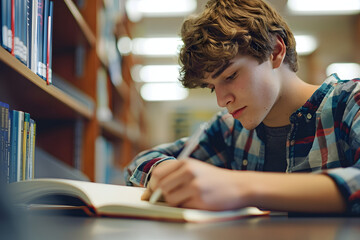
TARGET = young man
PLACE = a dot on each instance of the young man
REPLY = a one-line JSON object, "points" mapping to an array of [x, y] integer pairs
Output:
{"points": [[277, 127]]}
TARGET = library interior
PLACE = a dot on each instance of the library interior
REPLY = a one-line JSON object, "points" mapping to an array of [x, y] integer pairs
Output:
{"points": [[86, 85]]}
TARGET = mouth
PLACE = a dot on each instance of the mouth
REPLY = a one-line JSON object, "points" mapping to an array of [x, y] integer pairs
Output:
{"points": [[238, 112]]}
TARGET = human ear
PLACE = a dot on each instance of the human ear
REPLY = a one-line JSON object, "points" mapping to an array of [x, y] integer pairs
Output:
{"points": [[279, 52]]}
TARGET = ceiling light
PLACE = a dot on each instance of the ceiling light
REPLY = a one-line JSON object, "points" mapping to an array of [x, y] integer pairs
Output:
{"points": [[163, 92], [305, 44], [159, 73], [124, 44], [344, 70], [156, 47], [324, 6], [136, 9]]}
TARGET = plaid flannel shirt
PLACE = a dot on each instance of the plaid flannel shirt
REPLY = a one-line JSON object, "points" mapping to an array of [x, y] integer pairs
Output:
{"points": [[324, 138]]}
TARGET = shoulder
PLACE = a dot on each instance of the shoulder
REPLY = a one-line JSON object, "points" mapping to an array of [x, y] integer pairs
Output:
{"points": [[335, 90], [341, 98], [339, 87]]}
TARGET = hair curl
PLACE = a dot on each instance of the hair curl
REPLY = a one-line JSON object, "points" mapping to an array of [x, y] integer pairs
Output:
{"points": [[227, 28]]}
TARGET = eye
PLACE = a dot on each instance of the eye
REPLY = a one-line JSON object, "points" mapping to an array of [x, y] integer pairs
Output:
{"points": [[231, 77]]}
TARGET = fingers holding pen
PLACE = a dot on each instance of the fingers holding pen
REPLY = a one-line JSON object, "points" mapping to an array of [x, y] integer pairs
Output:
{"points": [[175, 186], [159, 172]]}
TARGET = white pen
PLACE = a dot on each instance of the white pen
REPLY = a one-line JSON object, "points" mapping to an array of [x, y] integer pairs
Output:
{"points": [[185, 153]]}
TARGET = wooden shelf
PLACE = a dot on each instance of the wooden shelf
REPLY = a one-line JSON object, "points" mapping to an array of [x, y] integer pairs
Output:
{"points": [[67, 125], [113, 129], [89, 35], [30, 92]]}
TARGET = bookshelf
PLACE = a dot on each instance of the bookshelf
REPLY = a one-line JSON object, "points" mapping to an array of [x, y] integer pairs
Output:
{"points": [[68, 125]]}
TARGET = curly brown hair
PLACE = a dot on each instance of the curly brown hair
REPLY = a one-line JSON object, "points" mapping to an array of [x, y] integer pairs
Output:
{"points": [[227, 28]]}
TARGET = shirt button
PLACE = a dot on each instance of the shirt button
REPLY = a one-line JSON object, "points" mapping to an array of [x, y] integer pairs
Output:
{"points": [[309, 116], [299, 114], [245, 162]]}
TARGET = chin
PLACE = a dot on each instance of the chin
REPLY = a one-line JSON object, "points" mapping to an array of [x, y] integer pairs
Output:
{"points": [[249, 125]]}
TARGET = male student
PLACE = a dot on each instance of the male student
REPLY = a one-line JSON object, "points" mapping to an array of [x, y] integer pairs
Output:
{"points": [[281, 145]]}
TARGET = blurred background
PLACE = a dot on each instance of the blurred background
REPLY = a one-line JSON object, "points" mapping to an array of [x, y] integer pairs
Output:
{"points": [[327, 33]]}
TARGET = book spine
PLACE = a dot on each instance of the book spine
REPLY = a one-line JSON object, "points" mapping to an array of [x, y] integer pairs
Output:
{"points": [[2, 143], [3, 24], [19, 147], [45, 39], [49, 48], [17, 29], [7, 142], [28, 32], [30, 159], [34, 42], [23, 30], [4, 164], [78, 142], [13, 27], [14, 142], [24, 145], [40, 28], [8, 24], [33, 139]]}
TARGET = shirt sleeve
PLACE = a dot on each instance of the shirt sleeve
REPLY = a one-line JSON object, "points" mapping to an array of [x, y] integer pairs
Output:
{"points": [[347, 178], [213, 147]]}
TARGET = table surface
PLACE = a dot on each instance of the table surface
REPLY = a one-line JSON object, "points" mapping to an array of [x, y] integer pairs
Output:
{"points": [[45, 227]]}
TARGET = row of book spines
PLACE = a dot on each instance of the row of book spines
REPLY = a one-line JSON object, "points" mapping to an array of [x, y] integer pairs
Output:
{"points": [[18, 133], [27, 33]]}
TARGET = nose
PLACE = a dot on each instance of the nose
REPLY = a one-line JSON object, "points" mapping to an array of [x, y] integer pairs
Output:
{"points": [[223, 97]]}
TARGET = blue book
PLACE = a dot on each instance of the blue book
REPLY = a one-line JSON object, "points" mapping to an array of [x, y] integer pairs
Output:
{"points": [[7, 28], [17, 28], [28, 32], [4, 23], [45, 37], [23, 31], [40, 32], [16, 145], [2, 20], [13, 139], [50, 37]]}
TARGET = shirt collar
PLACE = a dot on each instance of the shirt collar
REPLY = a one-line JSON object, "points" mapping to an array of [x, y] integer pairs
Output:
{"points": [[309, 109]]}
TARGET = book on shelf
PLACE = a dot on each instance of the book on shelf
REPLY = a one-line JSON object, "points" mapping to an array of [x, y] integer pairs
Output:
{"points": [[103, 111], [49, 43], [104, 160], [40, 32], [98, 199], [6, 24], [4, 142], [26, 32], [17, 145], [17, 129]]}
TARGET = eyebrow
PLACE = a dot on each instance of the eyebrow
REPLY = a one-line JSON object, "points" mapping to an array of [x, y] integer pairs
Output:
{"points": [[221, 70]]}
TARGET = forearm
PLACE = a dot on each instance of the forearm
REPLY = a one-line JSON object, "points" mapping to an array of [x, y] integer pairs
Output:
{"points": [[299, 192]]}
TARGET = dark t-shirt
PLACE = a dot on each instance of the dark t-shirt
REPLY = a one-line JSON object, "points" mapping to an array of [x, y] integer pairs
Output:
{"points": [[275, 148]]}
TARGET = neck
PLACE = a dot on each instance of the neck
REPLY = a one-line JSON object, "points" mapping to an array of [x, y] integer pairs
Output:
{"points": [[293, 94]]}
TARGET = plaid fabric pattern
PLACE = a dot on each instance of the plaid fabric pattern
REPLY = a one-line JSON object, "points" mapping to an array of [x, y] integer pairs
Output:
{"points": [[324, 138]]}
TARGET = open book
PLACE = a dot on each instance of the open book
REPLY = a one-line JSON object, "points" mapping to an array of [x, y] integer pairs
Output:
{"points": [[113, 201]]}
